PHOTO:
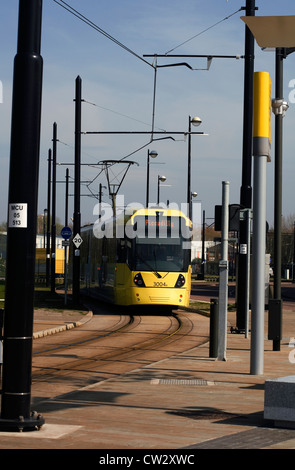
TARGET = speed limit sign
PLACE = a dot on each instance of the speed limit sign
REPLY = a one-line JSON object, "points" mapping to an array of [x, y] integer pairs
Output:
{"points": [[77, 240]]}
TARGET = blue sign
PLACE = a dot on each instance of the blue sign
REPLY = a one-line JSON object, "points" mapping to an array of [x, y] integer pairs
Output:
{"points": [[66, 233]]}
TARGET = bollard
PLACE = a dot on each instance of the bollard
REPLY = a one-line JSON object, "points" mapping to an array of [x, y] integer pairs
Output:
{"points": [[213, 348], [275, 322]]}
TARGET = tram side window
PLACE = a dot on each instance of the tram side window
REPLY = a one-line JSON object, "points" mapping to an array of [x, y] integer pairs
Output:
{"points": [[102, 272], [130, 253], [121, 251]]}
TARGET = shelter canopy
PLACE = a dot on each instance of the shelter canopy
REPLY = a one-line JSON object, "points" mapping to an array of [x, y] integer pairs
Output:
{"points": [[272, 31]]}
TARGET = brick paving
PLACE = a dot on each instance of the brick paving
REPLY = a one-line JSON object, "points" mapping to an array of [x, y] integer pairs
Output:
{"points": [[188, 401]]}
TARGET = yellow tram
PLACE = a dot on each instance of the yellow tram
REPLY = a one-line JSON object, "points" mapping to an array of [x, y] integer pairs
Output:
{"points": [[140, 257]]}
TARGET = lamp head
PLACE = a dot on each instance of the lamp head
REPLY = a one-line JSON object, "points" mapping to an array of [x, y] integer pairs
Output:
{"points": [[196, 121], [153, 153]]}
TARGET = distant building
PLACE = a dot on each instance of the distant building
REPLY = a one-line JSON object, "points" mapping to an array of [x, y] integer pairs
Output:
{"points": [[40, 253], [196, 248], [41, 244]]}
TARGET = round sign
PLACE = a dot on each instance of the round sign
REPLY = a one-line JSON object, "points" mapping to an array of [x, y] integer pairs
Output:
{"points": [[66, 233]]}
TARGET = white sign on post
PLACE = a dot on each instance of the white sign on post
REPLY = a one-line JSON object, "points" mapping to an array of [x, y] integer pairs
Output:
{"points": [[243, 248], [77, 240], [18, 215]]}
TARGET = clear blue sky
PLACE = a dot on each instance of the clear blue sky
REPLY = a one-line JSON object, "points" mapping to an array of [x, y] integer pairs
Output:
{"points": [[120, 85]]}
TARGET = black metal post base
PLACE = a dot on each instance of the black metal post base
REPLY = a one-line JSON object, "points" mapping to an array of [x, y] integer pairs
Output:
{"points": [[238, 330], [34, 423]]}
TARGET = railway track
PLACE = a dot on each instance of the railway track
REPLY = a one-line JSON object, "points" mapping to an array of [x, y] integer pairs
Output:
{"points": [[108, 346]]}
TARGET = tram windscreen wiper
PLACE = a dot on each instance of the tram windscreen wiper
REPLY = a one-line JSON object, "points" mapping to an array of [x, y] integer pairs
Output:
{"points": [[148, 265], [156, 272]]}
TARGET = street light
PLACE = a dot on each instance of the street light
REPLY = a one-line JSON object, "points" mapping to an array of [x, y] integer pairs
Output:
{"points": [[101, 187], [44, 228], [277, 32], [279, 107], [162, 179], [153, 154], [195, 121]]}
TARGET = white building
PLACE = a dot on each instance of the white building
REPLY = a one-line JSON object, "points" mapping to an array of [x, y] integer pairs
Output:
{"points": [[40, 241], [196, 248]]}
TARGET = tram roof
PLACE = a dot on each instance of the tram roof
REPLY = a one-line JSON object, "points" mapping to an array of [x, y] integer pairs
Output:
{"points": [[131, 212]]}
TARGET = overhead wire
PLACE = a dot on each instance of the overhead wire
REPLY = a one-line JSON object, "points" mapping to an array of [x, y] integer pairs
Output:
{"points": [[121, 114], [204, 31], [90, 23]]}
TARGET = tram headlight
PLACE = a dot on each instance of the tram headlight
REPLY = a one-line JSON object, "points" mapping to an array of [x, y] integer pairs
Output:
{"points": [[180, 281], [138, 280]]}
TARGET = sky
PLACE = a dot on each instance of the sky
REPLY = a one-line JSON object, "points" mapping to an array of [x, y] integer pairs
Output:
{"points": [[118, 90]]}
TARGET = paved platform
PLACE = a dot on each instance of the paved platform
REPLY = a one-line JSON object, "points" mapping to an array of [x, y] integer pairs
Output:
{"points": [[186, 403]]}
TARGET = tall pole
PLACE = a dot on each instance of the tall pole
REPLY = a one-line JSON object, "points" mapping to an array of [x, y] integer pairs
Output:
{"points": [[158, 191], [77, 214], [48, 220], [278, 176], [278, 188], [53, 215], [66, 224], [22, 222], [147, 179], [258, 291], [44, 228], [261, 154], [246, 189], [189, 195], [203, 247], [223, 275], [67, 198], [100, 193], [152, 154]]}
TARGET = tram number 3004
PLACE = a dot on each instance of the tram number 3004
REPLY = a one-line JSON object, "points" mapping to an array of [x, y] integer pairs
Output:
{"points": [[160, 284]]}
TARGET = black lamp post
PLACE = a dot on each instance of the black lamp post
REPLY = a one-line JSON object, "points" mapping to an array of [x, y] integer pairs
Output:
{"points": [[77, 213], [279, 107], [246, 188], [53, 209], [269, 33], [160, 179], [196, 121], [152, 154], [44, 228], [48, 220], [22, 223]]}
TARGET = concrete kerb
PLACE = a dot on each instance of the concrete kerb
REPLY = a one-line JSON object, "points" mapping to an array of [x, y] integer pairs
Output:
{"points": [[88, 317], [66, 326]]}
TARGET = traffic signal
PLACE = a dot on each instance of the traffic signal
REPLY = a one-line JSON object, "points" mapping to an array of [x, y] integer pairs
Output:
{"points": [[234, 218]]}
